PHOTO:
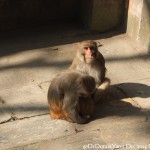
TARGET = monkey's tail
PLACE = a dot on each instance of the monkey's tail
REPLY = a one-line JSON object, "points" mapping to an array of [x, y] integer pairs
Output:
{"points": [[105, 84]]}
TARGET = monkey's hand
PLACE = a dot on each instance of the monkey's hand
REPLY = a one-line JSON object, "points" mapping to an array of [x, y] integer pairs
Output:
{"points": [[70, 108], [76, 118], [101, 90], [88, 116]]}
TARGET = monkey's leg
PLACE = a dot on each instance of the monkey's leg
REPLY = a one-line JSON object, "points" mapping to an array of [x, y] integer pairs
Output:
{"points": [[57, 112], [101, 91], [56, 109], [59, 115], [55, 115]]}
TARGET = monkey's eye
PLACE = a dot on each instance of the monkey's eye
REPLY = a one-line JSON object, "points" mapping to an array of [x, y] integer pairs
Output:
{"points": [[86, 48], [92, 48]]}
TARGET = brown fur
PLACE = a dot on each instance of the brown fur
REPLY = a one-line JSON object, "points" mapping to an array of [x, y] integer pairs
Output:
{"points": [[65, 93], [95, 66], [86, 106]]}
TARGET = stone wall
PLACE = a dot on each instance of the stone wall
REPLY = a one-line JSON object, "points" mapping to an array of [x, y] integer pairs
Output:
{"points": [[104, 15], [138, 26], [107, 14]]}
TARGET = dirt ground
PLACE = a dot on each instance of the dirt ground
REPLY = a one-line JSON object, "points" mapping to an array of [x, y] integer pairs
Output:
{"points": [[29, 59]]}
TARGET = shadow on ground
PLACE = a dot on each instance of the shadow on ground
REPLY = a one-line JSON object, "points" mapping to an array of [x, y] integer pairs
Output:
{"points": [[119, 102]]}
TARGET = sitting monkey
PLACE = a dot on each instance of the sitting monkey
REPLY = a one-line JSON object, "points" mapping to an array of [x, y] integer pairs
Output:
{"points": [[90, 61], [66, 94]]}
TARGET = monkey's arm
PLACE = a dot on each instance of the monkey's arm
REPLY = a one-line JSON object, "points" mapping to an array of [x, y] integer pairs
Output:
{"points": [[70, 107], [73, 65], [101, 90], [105, 84]]}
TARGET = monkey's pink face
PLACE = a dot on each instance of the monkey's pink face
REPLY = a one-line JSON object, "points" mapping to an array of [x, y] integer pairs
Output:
{"points": [[90, 53]]}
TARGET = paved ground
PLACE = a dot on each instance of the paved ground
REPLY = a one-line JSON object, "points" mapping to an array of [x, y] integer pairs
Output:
{"points": [[29, 61]]}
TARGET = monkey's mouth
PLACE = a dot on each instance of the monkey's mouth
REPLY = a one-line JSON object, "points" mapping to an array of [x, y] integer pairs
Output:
{"points": [[89, 60], [89, 57]]}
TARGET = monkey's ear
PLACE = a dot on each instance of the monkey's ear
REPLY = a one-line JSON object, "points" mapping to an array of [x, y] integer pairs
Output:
{"points": [[99, 44], [77, 46]]}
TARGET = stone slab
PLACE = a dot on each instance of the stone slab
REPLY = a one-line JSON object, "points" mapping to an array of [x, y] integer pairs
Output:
{"points": [[25, 76], [32, 130], [23, 102], [113, 131]]}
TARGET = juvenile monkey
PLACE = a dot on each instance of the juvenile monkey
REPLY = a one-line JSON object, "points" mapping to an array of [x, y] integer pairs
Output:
{"points": [[65, 94], [90, 61]]}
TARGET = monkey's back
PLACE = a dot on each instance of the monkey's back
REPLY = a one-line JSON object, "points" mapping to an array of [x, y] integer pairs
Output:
{"points": [[61, 83]]}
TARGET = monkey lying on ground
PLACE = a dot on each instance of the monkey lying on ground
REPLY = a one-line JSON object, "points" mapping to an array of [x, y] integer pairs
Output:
{"points": [[66, 94], [90, 61]]}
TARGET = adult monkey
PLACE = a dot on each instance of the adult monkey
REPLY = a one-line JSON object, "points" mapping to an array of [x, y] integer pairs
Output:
{"points": [[66, 93], [90, 61]]}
